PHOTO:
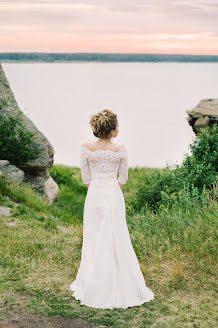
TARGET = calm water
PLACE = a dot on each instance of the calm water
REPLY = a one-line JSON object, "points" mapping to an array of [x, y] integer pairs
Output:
{"points": [[150, 100]]}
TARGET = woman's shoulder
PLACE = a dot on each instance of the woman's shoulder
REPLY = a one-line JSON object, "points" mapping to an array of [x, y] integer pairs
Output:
{"points": [[92, 146], [85, 144]]}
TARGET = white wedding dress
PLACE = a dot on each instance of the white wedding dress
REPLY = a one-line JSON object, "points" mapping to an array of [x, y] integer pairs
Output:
{"points": [[109, 275]]}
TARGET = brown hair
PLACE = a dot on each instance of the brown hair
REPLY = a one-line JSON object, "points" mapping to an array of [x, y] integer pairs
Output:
{"points": [[102, 123]]}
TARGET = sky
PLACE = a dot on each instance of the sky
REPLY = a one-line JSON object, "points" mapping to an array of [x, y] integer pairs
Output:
{"points": [[110, 26]]}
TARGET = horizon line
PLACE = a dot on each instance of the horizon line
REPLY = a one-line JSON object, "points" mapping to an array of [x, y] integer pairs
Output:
{"points": [[110, 53]]}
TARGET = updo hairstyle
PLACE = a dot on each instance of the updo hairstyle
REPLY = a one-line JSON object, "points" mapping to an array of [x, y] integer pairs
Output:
{"points": [[102, 123]]}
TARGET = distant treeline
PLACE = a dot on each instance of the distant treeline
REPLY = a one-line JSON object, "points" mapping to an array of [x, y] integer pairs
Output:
{"points": [[102, 57]]}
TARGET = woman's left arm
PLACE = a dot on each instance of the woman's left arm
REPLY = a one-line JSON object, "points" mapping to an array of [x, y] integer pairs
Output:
{"points": [[84, 167]]}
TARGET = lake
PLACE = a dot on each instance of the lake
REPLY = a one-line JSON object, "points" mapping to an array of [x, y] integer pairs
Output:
{"points": [[150, 100]]}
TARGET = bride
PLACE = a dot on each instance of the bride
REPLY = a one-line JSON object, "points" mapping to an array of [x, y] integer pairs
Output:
{"points": [[109, 275]]}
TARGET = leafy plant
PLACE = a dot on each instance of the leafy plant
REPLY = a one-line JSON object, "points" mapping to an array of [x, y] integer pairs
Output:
{"points": [[196, 174], [16, 144], [201, 167]]}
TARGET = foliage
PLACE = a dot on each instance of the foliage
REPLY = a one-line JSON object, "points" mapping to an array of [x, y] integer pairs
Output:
{"points": [[196, 174], [16, 144], [176, 249], [201, 166]]}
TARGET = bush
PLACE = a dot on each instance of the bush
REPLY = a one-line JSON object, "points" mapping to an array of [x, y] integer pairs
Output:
{"points": [[197, 173], [150, 190], [16, 145], [201, 166]]}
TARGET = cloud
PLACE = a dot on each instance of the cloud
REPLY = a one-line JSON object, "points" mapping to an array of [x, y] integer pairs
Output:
{"points": [[152, 21]]}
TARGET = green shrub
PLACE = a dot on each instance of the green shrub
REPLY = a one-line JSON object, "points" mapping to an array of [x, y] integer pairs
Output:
{"points": [[197, 173], [150, 190], [201, 166], [16, 144]]}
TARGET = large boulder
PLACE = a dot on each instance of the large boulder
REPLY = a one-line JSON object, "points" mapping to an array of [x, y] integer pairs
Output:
{"points": [[11, 171], [205, 113], [36, 171]]}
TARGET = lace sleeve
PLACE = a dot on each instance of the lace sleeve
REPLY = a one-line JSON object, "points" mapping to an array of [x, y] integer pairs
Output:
{"points": [[84, 166], [123, 167]]}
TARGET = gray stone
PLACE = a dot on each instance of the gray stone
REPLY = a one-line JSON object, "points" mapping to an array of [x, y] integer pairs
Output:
{"points": [[205, 113], [11, 171], [36, 172], [4, 210]]}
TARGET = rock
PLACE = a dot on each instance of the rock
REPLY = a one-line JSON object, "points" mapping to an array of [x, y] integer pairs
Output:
{"points": [[11, 171], [5, 210], [51, 189], [205, 113], [36, 172], [46, 187], [202, 121]]}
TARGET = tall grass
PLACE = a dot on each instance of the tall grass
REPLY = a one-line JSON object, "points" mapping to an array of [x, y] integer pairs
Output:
{"points": [[175, 245], [181, 234]]}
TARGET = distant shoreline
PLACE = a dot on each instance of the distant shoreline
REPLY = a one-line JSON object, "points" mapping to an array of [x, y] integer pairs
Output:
{"points": [[106, 62], [36, 57]]}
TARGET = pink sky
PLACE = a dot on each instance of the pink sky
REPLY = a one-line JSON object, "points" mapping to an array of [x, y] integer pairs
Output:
{"points": [[124, 26]]}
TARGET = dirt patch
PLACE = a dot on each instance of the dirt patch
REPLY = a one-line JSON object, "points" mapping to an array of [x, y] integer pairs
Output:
{"points": [[27, 320], [18, 318]]}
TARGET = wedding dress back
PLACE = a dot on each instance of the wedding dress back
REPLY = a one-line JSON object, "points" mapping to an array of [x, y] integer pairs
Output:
{"points": [[109, 275], [102, 165]]}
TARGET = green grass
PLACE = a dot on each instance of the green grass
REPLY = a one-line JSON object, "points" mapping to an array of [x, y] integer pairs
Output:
{"points": [[176, 248]]}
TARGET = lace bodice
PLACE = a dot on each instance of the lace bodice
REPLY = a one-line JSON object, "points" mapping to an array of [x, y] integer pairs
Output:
{"points": [[103, 165]]}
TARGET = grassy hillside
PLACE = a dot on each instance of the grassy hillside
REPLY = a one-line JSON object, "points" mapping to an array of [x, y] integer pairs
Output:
{"points": [[40, 248]]}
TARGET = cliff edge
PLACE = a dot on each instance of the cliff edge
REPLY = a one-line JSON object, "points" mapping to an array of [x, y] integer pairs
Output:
{"points": [[36, 172]]}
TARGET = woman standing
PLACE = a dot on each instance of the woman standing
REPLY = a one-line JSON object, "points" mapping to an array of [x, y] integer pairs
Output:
{"points": [[109, 275]]}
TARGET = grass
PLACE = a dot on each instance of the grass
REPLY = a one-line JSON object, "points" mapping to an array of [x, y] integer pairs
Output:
{"points": [[176, 248]]}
